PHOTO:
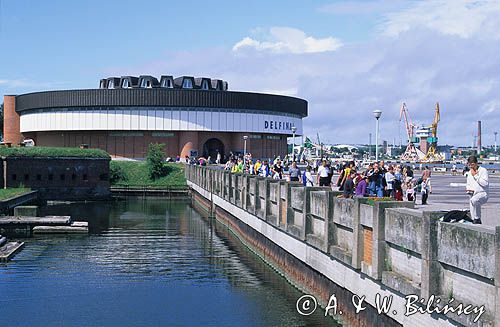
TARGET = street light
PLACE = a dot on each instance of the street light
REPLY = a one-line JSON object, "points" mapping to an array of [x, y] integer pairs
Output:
{"points": [[245, 148], [294, 129], [377, 114]]}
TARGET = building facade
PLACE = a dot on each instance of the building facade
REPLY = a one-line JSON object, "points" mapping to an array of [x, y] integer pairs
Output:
{"points": [[191, 116]]}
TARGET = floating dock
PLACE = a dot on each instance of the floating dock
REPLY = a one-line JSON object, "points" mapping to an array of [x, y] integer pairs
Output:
{"points": [[43, 225], [9, 249], [77, 227]]}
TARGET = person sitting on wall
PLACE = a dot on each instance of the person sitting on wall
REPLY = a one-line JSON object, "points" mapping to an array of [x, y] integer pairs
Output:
{"points": [[477, 187]]}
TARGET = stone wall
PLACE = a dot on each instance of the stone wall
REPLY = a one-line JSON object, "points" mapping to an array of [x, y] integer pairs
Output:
{"points": [[371, 248], [59, 178]]}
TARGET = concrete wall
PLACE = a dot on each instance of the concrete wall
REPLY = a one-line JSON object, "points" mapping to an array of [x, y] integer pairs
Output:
{"points": [[371, 248]]}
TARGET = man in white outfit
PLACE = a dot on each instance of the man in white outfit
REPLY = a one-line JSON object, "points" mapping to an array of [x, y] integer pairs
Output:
{"points": [[477, 188]]}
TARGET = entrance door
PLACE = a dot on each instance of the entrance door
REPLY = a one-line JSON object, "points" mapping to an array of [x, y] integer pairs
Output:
{"points": [[212, 147]]}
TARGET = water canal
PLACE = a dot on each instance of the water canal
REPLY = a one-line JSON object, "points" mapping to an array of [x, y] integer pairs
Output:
{"points": [[145, 263]]}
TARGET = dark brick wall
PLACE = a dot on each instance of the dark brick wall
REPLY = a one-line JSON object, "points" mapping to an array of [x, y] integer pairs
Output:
{"points": [[266, 146], [61, 178]]}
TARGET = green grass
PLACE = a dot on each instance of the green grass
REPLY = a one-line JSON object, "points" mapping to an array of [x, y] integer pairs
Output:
{"points": [[38, 151], [12, 192], [136, 174]]}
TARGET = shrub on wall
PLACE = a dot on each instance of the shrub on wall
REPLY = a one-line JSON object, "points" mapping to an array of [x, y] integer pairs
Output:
{"points": [[155, 160]]}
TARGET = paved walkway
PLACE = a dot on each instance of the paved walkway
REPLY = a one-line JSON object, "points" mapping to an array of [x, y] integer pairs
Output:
{"points": [[448, 192]]}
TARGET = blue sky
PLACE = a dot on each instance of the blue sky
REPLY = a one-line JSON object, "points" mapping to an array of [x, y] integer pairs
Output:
{"points": [[346, 58]]}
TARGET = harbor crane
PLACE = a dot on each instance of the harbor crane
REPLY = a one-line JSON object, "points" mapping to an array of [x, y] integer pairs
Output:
{"points": [[411, 153], [432, 155]]}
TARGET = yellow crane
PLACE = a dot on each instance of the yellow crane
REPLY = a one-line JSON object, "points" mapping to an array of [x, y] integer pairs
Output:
{"points": [[432, 155]]}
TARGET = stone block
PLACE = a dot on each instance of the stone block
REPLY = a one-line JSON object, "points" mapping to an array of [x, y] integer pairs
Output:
{"points": [[298, 198], [366, 215], [467, 247], [403, 227], [400, 283], [343, 211], [30, 211]]}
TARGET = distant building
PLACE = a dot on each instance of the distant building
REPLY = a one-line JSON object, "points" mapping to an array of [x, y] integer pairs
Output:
{"points": [[422, 134], [192, 116]]}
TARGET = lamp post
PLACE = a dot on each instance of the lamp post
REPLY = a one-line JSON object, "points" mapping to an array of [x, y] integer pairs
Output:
{"points": [[377, 114], [245, 148], [370, 146], [294, 129], [495, 141]]}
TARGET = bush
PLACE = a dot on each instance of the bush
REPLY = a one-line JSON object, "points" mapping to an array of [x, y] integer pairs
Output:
{"points": [[155, 160], [116, 173]]}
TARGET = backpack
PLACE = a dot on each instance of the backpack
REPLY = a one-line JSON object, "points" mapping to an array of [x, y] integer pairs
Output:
{"points": [[454, 216], [304, 179]]}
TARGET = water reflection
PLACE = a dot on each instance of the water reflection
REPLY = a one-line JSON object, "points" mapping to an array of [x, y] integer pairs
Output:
{"points": [[151, 262]]}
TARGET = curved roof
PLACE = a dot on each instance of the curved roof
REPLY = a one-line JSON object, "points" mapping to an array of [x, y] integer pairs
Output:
{"points": [[160, 97]]}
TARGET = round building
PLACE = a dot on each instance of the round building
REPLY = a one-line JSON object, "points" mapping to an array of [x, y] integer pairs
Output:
{"points": [[191, 116]]}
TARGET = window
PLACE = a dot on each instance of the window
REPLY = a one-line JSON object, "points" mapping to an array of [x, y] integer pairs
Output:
{"points": [[14, 177], [85, 178], [204, 85], [26, 177], [51, 177], [73, 177], [111, 84], [63, 177], [167, 83], [38, 177], [187, 84], [162, 134], [126, 84]]}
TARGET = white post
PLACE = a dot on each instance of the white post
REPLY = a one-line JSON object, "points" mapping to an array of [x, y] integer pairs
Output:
{"points": [[244, 148], [377, 114], [376, 142]]}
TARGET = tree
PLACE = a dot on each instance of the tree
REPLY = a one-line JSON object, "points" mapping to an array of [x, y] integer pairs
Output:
{"points": [[155, 159]]}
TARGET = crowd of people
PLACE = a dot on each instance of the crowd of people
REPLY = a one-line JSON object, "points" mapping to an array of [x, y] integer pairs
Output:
{"points": [[377, 180], [394, 181]]}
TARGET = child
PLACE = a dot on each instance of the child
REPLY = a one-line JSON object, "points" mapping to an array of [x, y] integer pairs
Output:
{"points": [[425, 191], [308, 179], [398, 191], [410, 191]]}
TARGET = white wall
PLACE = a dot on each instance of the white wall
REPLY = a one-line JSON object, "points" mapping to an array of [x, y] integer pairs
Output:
{"points": [[158, 120]]}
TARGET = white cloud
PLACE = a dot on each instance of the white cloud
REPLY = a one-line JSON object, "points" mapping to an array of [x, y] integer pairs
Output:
{"points": [[462, 18], [425, 62], [288, 40]]}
